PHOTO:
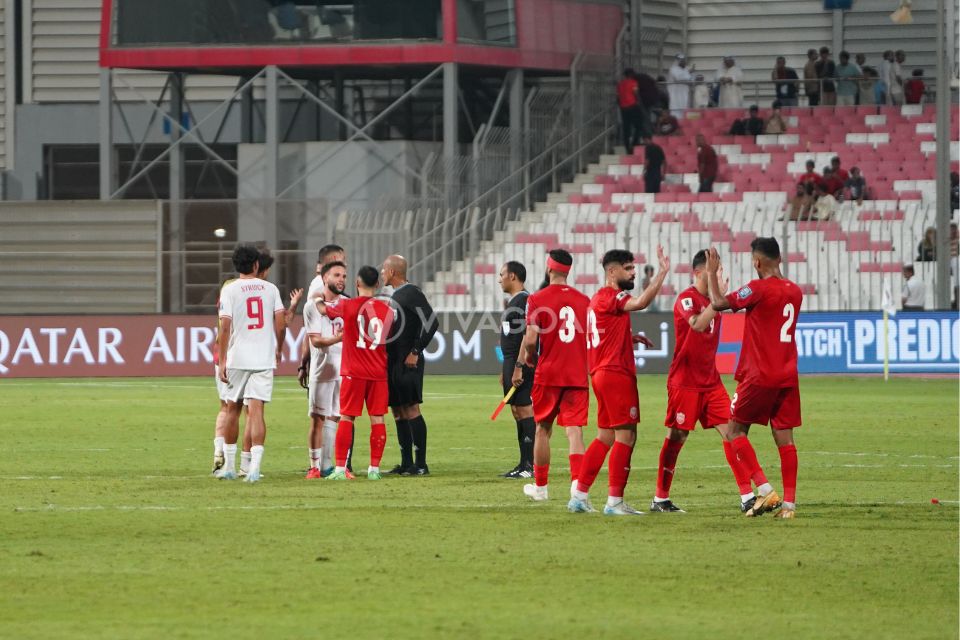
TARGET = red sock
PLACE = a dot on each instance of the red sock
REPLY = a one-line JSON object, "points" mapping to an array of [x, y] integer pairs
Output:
{"points": [[619, 468], [378, 440], [342, 443], [748, 459], [540, 474], [788, 467], [741, 476], [591, 465], [576, 459], [668, 462]]}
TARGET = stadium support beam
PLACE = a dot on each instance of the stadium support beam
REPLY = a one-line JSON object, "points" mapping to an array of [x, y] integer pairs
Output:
{"points": [[272, 157], [515, 80], [106, 134], [943, 161], [177, 208], [451, 124], [837, 39]]}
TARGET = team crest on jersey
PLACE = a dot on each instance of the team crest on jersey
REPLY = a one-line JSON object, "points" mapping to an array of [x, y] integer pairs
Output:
{"points": [[681, 418], [745, 292], [687, 304], [622, 295], [634, 413]]}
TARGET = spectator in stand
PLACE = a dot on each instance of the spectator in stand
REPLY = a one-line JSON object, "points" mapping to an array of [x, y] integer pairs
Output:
{"points": [[914, 89], [730, 76], [775, 124], [811, 176], [654, 166], [752, 125], [856, 186], [701, 93], [786, 91], [954, 190], [679, 88], [826, 71], [861, 62], [826, 204], [896, 81], [886, 77], [867, 86], [631, 112], [847, 75], [914, 293], [707, 164], [927, 249], [667, 125], [650, 100], [810, 84], [802, 201], [645, 282], [831, 183], [838, 171]]}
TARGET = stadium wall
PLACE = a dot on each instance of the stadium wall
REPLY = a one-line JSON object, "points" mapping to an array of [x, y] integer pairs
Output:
{"points": [[835, 343]]}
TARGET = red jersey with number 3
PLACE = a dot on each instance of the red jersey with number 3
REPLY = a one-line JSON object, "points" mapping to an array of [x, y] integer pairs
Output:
{"points": [[560, 312], [366, 325], [768, 357], [694, 365], [609, 337]]}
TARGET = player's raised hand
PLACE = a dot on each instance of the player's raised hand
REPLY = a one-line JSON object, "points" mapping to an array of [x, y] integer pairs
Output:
{"points": [[713, 260], [724, 282], [663, 259], [295, 296]]}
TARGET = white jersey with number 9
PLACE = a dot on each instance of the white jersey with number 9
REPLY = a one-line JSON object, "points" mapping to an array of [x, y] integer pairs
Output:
{"points": [[251, 303]]}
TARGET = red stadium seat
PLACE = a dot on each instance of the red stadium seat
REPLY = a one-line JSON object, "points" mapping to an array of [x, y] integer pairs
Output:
{"points": [[484, 269], [455, 289]]}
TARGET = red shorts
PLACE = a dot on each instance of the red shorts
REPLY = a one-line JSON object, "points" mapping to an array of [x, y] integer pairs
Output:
{"points": [[686, 406], [354, 392], [780, 408], [567, 405], [618, 402]]}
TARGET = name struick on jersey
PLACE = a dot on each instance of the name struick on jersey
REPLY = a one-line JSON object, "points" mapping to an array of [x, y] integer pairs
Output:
{"points": [[252, 287]]}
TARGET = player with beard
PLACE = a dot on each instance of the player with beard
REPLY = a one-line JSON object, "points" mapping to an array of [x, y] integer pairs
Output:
{"points": [[613, 373]]}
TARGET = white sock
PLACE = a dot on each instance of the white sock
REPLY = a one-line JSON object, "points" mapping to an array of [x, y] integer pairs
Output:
{"points": [[218, 445], [256, 456], [372, 469], [613, 501], [340, 470], [580, 495], [230, 453], [328, 440], [765, 488], [746, 497], [314, 458], [656, 499], [244, 461], [790, 506]]}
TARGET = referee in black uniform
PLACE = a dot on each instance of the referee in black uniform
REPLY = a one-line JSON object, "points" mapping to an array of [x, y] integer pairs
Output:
{"points": [[410, 334], [513, 324]]}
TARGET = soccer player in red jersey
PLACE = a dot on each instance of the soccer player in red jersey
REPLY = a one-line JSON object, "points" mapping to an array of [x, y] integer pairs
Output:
{"points": [[768, 387], [613, 372], [694, 390], [366, 324], [557, 316]]}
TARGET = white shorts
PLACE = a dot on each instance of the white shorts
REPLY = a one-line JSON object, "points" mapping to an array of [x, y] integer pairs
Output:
{"points": [[324, 398], [221, 387], [249, 385]]}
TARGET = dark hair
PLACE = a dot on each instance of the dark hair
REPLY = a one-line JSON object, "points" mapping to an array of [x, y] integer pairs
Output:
{"points": [[617, 256], [244, 257], [917, 73], [824, 50], [330, 265], [844, 54], [768, 247], [628, 72], [265, 261], [754, 107], [368, 276], [776, 104], [517, 269], [326, 250], [811, 162], [562, 256], [908, 267], [699, 259]]}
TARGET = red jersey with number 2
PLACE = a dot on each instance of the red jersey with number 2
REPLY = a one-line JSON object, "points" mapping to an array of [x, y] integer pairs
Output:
{"points": [[366, 325], [694, 365], [560, 312], [768, 357]]}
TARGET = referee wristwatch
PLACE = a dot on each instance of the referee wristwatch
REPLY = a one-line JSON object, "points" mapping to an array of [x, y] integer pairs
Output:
{"points": [[518, 365], [415, 352]]}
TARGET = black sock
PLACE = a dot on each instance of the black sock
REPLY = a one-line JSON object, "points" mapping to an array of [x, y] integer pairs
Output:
{"points": [[419, 428], [353, 432], [520, 439], [529, 428], [405, 440]]}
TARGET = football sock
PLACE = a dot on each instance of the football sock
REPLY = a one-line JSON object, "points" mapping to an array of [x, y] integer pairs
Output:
{"points": [[342, 445], [619, 468], [788, 468], [741, 476], [256, 456], [527, 428], [789, 506], [230, 455], [405, 442], [314, 458], [613, 501], [591, 465], [576, 460], [218, 445], [329, 440], [418, 427], [378, 440], [353, 433], [748, 461], [540, 474], [668, 463], [244, 460]]}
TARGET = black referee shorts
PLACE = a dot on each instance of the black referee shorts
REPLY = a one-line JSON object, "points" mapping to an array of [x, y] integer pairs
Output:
{"points": [[522, 396], [405, 384]]}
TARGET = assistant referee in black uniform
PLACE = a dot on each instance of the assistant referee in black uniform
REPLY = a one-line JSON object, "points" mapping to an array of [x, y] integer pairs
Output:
{"points": [[410, 334], [513, 324]]}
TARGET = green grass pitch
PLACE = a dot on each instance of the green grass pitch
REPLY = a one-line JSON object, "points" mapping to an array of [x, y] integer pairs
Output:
{"points": [[110, 526]]}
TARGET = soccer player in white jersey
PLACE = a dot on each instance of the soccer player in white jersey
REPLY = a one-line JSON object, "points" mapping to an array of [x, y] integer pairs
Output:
{"points": [[252, 325], [325, 336]]}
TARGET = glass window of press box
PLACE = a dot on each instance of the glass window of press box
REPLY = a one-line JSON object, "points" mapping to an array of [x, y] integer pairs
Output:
{"points": [[263, 22]]}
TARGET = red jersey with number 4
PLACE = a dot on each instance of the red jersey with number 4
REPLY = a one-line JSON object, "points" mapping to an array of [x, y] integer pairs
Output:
{"points": [[609, 337], [768, 357], [366, 324], [560, 312], [694, 365]]}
